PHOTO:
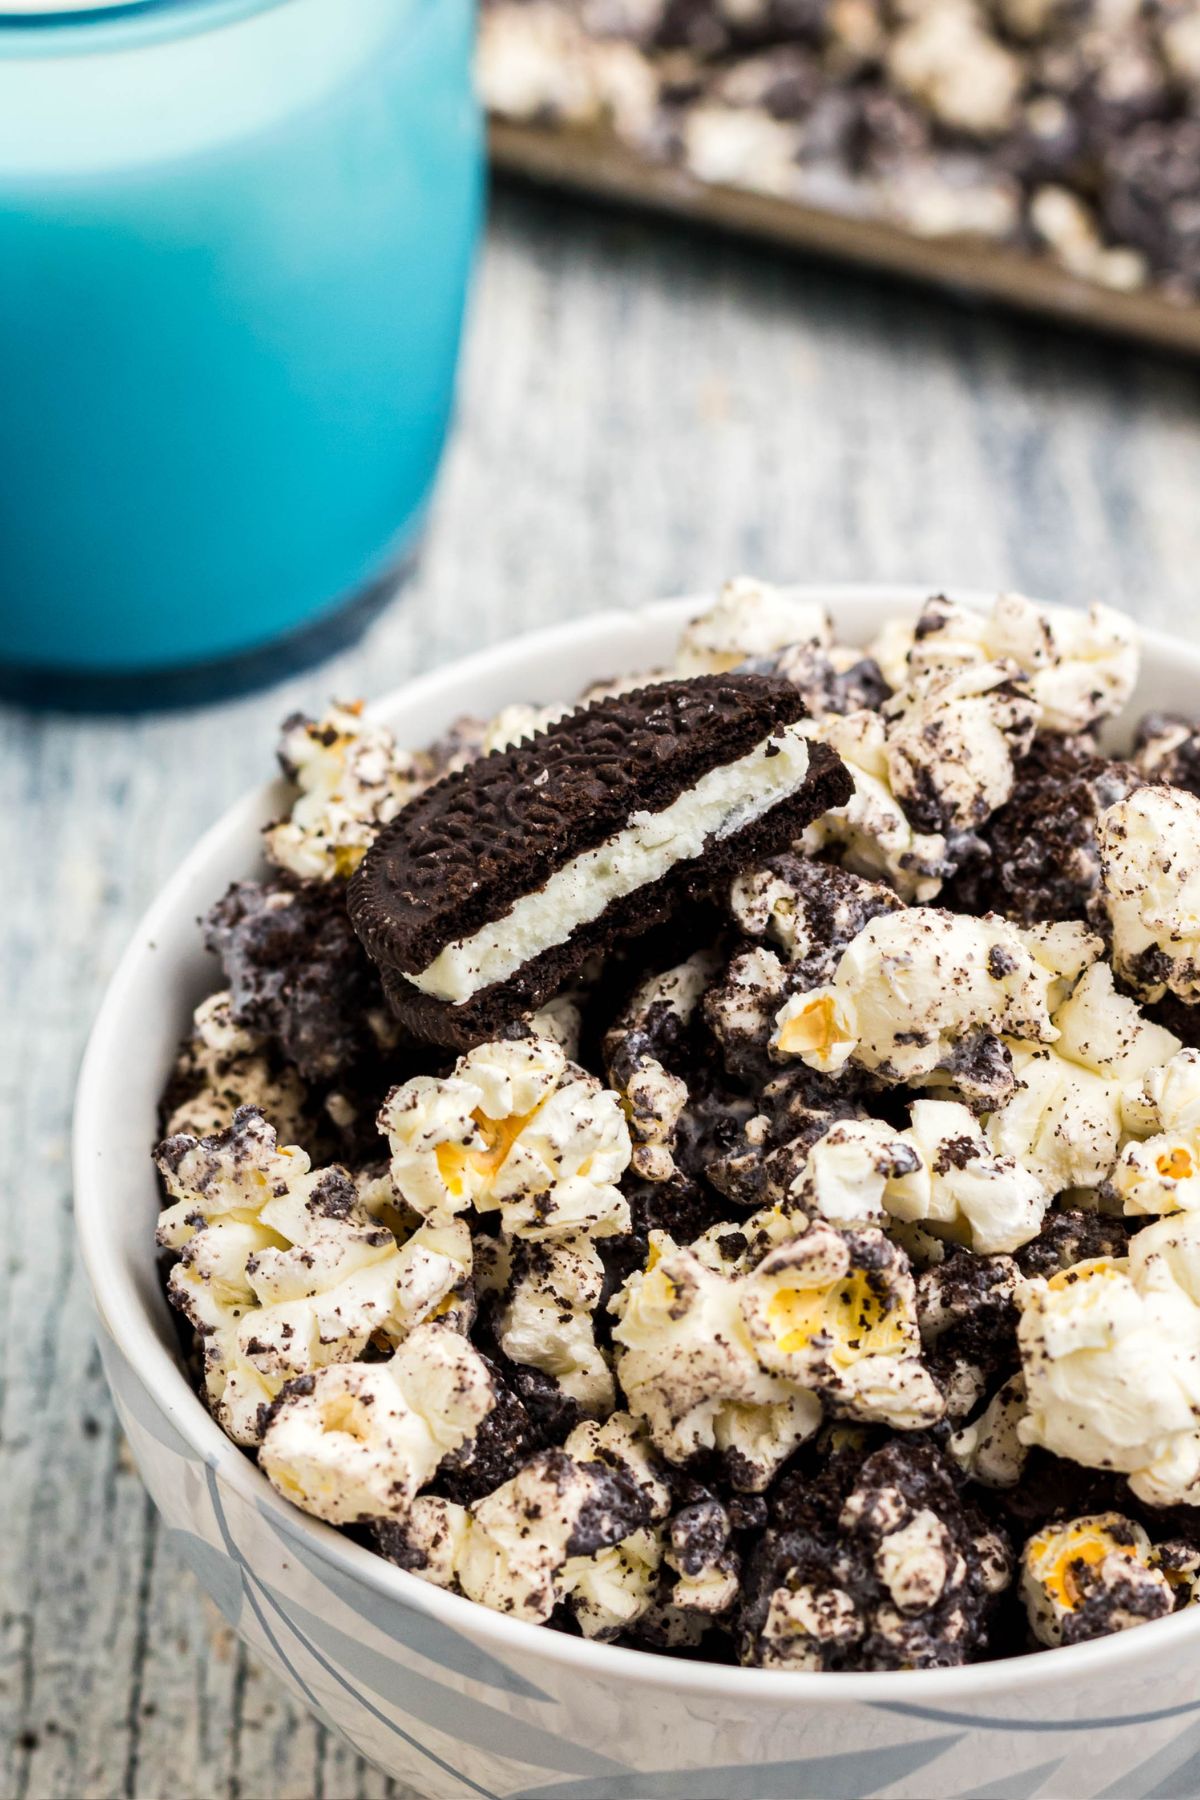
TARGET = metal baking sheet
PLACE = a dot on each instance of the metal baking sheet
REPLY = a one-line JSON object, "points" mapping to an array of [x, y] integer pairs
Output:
{"points": [[599, 164]]}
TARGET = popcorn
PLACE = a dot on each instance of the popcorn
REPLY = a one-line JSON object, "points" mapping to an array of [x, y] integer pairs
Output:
{"points": [[224, 1066], [1081, 667], [654, 1025], [1150, 860], [850, 1172], [516, 1129], [749, 619], [759, 1425], [810, 910], [352, 780], [546, 1318], [1167, 751], [990, 1450], [356, 1441], [952, 743], [872, 831], [1090, 1576], [922, 992], [1159, 1171], [880, 1564], [281, 1269], [699, 1553], [968, 1324], [1111, 1356], [835, 1311], [689, 1367], [960, 1188], [524, 1548], [515, 724], [298, 974]]}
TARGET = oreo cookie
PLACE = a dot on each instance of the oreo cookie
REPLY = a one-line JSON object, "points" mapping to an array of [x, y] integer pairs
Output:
{"points": [[492, 887]]}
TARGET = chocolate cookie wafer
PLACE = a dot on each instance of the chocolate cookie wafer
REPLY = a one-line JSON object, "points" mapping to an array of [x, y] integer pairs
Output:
{"points": [[490, 889]]}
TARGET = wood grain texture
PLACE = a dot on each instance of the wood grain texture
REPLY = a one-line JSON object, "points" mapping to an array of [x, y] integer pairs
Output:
{"points": [[644, 410]]}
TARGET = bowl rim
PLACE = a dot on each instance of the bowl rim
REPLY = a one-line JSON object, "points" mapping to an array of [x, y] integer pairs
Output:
{"points": [[129, 1324]]}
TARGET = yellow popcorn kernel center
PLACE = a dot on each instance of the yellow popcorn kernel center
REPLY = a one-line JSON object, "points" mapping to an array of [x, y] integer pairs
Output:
{"points": [[1175, 1164], [499, 1136], [657, 1286], [1067, 1554], [814, 1031], [342, 1412], [855, 1319], [346, 859], [1100, 1268]]}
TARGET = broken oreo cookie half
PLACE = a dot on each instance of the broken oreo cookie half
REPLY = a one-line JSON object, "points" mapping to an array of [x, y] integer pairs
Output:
{"points": [[491, 888]]}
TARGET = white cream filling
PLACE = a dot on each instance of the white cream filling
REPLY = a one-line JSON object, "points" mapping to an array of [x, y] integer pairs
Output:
{"points": [[721, 802]]}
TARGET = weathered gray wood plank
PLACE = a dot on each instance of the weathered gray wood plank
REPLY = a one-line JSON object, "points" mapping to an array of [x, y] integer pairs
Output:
{"points": [[643, 411]]}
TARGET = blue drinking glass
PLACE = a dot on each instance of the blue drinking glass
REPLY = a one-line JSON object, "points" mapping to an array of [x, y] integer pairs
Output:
{"points": [[235, 240]]}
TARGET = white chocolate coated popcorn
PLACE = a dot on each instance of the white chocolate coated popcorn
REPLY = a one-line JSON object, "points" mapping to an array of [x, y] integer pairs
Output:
{"points": [[222, 1067], [1111, 1356], [952, 742], [849, 1171], [1081, 667], [1159, 1170], [652, 1098], [836, 1311], [516, 1128], [527, 1543], [872, 831], [353, 779], [749, 619], [916, 990], [1150, 869], [989, 1450], [960, 1188], [357, 1441], [545, 1320], [1104, 1562], [689, 1368], [282, 1270]]}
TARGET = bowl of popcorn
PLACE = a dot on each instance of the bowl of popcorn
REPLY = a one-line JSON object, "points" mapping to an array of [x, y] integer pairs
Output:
{"points": [[645, 1247]]}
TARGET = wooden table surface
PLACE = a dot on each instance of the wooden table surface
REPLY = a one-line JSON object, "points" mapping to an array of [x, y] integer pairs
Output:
{"points": [[644, 410]]}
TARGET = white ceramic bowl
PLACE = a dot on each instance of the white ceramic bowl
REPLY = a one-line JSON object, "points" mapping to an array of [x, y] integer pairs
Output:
{"points": [[456, 1700]]}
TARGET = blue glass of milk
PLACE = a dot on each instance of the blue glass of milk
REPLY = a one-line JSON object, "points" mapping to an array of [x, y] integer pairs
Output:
{"points": [[235, 239]]}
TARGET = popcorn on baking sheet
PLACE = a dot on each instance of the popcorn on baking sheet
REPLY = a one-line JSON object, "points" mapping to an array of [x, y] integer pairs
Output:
{"points": [[357, 1441], [352, 779], [516, 1129], [1150, 862], [1081, 666], [282, 1270]]}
